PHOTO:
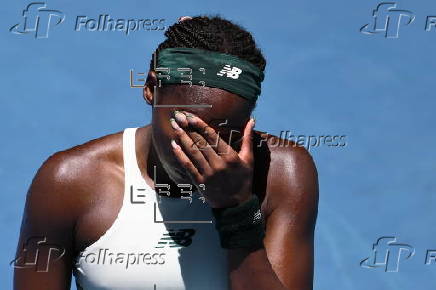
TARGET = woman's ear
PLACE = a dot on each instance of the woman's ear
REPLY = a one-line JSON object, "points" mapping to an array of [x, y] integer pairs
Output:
{"points": [[148, 91]]}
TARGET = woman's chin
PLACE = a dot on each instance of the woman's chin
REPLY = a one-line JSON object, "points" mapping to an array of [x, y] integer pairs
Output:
{"points": [[177, 175], [179, 178]]}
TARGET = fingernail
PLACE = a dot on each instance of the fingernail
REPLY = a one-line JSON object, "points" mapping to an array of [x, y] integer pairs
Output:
{"points": [[174, 144], [180, 117], [174, 124], [190, 118], [189, 115]]}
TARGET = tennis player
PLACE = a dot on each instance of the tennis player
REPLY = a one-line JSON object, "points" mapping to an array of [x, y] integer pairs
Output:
{"points": [[197, 199]]}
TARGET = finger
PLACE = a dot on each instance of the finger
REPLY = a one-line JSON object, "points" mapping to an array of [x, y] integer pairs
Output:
{"points": [[246, 152], [212, 137], [181, 119], [200, 143], [205, 148], [185, 162], [189, 148]]}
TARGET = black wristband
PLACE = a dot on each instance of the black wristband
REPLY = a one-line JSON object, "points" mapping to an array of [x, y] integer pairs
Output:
{"points": [[242, 226]]}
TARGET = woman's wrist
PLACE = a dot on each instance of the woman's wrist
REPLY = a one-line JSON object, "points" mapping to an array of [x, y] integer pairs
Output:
{"points": [[242, 226]]}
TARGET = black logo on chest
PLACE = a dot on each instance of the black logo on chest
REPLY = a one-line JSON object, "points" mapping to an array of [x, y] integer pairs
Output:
{"points": [[176, 238]]}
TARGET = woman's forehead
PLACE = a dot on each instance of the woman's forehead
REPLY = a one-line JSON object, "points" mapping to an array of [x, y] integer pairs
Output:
{"points": [[195, 95], [212, 105]]}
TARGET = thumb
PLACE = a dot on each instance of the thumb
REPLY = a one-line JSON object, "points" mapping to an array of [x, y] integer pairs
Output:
{"points": [[246, 152]]}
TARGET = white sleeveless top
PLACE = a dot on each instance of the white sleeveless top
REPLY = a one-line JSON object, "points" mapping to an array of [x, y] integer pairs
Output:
{"points": [[156, 242]]}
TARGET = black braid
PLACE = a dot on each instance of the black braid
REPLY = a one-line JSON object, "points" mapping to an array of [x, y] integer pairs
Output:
{"points": [[215, 34]]}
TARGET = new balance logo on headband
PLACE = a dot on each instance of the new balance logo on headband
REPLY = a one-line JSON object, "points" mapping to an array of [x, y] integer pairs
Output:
{"points": [[232, 72]]}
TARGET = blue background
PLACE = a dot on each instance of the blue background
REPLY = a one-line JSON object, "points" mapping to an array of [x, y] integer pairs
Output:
{"points": [[323, 77]]}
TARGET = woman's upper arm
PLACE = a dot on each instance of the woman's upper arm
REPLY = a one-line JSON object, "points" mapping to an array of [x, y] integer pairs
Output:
{"points": [[289, 240], [45, 248]]}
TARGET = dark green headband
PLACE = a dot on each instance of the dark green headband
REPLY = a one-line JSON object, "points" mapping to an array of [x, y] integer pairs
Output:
{"points": [[195, 66]]}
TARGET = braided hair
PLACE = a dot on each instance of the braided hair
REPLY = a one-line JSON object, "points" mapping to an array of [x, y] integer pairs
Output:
{"points": [[215, 34]]}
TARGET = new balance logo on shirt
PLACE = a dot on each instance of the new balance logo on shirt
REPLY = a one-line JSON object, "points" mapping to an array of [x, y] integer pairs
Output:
{"points": [[230, 72], [176, 238]]}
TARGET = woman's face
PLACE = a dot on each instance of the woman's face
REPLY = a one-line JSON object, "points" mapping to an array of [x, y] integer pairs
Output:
{"points": [[225, 112]]}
